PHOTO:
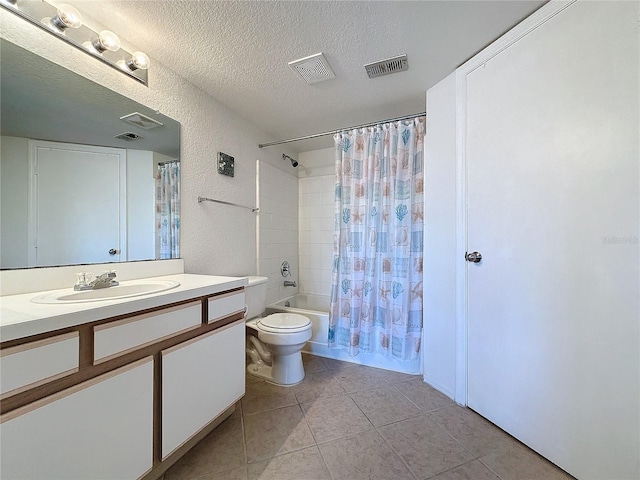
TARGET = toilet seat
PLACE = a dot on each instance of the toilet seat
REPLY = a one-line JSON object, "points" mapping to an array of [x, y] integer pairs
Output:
{"points": [[283, 323]]}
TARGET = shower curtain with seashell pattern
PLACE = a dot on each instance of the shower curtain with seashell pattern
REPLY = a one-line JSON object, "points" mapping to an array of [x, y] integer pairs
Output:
{"points": [[168, 210], [376, 295]]}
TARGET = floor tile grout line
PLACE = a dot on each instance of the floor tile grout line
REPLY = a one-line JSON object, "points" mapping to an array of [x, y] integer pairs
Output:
{"points": [[244, 439], [276, 455], [410, 401], [489, 468], [287, 452], [458, 466], [324, 460], [269, 409], [415, 476], [459, 442]]}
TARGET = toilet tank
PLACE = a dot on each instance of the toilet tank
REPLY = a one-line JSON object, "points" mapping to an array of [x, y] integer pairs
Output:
{"points": [[255, 295]]}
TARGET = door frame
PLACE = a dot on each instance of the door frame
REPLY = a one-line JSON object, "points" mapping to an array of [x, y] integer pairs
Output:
{"points": [[539, 17], [32, 193]]}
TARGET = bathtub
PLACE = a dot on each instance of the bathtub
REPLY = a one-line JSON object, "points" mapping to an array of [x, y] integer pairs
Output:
{"points": [[316, 308]]}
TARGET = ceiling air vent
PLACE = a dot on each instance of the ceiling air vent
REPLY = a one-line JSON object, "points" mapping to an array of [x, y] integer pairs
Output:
{"points": [[128, 136], [140, 120], [313, 69], [385, 67]]}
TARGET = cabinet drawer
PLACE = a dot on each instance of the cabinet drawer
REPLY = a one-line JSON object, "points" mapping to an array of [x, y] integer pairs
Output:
{"points": [[119, 337], [31, 364], [222, 306]]}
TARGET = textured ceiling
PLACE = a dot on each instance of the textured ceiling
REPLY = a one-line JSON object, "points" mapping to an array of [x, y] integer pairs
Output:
{"points": [[238, 52]]}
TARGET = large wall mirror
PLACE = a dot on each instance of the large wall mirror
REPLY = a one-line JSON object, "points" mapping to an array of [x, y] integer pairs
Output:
{"points": [[79, 169]]}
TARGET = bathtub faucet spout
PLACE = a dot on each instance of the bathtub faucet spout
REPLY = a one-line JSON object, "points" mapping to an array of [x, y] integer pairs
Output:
{"points": [[288, 283]]}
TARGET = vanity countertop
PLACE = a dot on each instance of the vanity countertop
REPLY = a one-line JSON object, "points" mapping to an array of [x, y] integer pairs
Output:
{"points": [[20, 317]]}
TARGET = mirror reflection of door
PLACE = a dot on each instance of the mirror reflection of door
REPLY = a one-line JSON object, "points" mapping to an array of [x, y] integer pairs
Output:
{"points": [[78, 204]]}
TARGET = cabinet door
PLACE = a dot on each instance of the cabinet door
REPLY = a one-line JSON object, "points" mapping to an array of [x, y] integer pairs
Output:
{"points": [[200, 379], [99, 429]]}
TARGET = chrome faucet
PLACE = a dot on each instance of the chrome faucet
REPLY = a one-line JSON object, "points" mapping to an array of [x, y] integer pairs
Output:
{"points": [[288, 283], [107, 279]]}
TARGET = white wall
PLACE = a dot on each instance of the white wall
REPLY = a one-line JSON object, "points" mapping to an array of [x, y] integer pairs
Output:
{"points": [[14, 181], [216, 239], [317, 196], [140, 205], [439, 349], [277, 228], [316, 162]]}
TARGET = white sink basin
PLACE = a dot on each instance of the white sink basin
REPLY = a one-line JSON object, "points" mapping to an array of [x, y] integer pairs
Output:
{"points": [[131, 288]]}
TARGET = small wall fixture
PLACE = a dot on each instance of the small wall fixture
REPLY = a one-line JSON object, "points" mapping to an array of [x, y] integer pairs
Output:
{"points": [[294, 163], [65, 22]]}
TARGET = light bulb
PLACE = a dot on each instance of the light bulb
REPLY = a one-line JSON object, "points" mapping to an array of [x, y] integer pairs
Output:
{"points": [[66, 17], [138, 60], [106, 41]]}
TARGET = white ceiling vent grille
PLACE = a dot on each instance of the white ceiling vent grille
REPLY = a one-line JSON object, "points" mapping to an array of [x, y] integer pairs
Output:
{"points": [[140, 120], [128, 136], [385, 67], [313, 69]]}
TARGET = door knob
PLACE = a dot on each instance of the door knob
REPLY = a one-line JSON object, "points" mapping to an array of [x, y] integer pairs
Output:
{"points": [[113, 251], [473, 257]]}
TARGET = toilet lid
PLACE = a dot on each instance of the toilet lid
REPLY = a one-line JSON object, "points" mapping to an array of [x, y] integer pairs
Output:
{"points": [[285, 322]]}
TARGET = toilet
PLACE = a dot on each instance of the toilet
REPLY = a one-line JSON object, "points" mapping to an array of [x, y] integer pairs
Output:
{"points": [[274, 342]]}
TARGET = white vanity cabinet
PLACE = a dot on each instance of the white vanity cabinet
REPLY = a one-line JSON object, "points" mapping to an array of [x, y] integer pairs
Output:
{"points": [[200, 379], [98, 429], [125, 394]]}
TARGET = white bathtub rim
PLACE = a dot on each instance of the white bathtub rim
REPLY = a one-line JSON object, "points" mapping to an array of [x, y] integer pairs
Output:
{"points": [[280, 303]]}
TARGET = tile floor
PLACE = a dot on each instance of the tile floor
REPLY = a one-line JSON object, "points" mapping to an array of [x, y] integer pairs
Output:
{"points": [[350, 422]]}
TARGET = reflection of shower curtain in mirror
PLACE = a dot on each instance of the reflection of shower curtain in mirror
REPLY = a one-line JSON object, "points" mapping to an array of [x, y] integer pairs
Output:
{"points": [[168, 210], [376, 297]]}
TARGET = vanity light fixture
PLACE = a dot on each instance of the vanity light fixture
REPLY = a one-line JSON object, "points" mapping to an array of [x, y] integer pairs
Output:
{"points": [[65, 22]]}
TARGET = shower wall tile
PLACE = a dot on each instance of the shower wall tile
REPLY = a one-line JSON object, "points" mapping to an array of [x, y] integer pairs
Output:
{"points": [[315, 223], [277, 229]]}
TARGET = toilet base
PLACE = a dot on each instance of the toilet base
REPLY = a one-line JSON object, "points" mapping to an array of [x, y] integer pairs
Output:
{"points": [[265, 372]]}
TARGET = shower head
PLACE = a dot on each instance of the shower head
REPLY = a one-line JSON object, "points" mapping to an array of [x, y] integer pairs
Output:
{"points": [[294, 163]]}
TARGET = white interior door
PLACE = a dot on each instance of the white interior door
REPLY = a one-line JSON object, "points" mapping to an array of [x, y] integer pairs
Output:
{"points": [[552, 189], [78, 204]]}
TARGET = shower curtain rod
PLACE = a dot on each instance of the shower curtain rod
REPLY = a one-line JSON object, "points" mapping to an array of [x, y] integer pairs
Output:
{"points": [[323, 134]]}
